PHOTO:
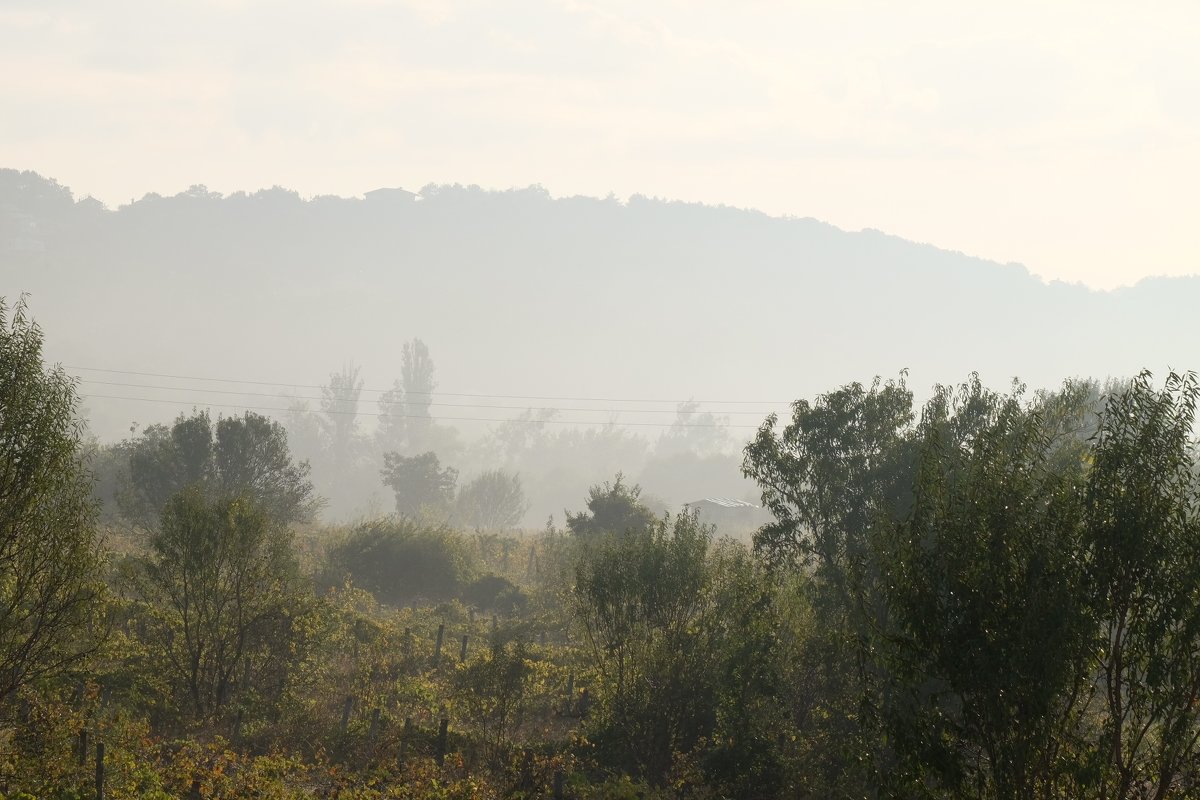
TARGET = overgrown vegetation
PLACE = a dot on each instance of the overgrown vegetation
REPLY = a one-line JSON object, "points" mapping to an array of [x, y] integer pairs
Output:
{"points": [[995, 595]]}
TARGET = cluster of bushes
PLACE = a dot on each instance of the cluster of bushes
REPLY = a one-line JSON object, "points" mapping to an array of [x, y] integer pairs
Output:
{"points": [[402, 561]]}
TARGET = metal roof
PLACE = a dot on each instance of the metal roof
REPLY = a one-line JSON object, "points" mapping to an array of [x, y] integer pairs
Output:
{"points": [[723, 502]]}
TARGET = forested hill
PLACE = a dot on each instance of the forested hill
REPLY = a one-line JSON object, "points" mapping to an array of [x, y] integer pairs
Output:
{"points": [[519, 293]]}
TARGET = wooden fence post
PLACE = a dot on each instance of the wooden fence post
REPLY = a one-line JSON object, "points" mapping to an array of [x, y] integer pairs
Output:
{"points": [[99, 770], [441, 741], [347, 707], [437, 648], [462, 653], [404, 737]]}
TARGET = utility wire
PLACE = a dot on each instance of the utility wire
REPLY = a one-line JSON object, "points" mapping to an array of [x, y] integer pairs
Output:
{"points": [[415, 416], [440, 394], [283, 395]]}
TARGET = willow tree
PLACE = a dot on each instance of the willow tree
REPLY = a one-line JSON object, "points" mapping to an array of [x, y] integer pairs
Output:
{"points": [[49, 555], [1143, 560], [982, 648]]}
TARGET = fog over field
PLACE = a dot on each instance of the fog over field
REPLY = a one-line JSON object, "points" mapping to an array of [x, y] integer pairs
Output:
{"points": [[587, 323]]}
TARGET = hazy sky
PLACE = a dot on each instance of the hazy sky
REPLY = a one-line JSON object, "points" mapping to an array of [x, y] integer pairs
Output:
{"points": [[1064, 136]]}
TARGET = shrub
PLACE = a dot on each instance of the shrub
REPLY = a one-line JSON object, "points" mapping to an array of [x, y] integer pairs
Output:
{"points": [[400, 560], [495, 593]]}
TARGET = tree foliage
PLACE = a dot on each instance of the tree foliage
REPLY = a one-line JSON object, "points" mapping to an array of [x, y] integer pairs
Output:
{"points": [[49, 549], [219, 576], [493, 500], [420, 483], [417, 377], [1014, 581], [984, 624], [405, 422], [247, 454], [339, 425], [996, 595], [839, 461], [671, 625], [612, 508], [1142, 552]]}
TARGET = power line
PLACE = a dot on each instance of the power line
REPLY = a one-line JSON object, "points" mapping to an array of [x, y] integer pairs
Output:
{"points": [[401, 402], [437, 394], [415, 416]]}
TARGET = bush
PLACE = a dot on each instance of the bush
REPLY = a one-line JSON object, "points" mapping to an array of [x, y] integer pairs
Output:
{"points": [[400, 560], [494, 593]]}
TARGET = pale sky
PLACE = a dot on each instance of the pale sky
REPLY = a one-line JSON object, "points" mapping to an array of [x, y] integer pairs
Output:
{"points": [[1063, 136]]}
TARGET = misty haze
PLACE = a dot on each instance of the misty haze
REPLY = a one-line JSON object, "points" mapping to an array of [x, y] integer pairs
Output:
{"points": [[801, 406]]}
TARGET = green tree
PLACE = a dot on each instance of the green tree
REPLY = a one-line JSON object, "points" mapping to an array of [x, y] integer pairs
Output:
{"points": [[943, 561], [1143, 562], [637, 594], [247, 454], [162, 461], [391, 432], [219, 577], [109, 464], [49, 549], [982, 628], [417, 377], [612, 508], [405, 423], [843, 462], [679, 633], [839, 462], [491, 501], [420, 483], [339, 426]]}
